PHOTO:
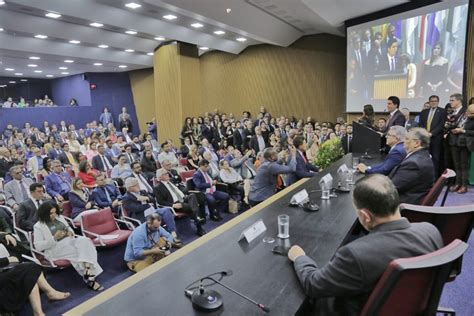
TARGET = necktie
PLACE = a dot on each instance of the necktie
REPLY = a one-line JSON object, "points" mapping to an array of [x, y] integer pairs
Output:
{"points": [[24, 193], [175, 191], [105, 163], [147, 186], [107, 195], [430, 119], [38, 203], [393, 64], [208, 180], [130, 158]]}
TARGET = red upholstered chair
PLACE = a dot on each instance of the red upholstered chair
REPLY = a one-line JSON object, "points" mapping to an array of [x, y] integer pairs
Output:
{"points": [[67, 213], [100, 226], [185, 175], [39, 178], [133, 222], [432, 196], [42, 260], [453, 222], [413, 286], [183, 162]]}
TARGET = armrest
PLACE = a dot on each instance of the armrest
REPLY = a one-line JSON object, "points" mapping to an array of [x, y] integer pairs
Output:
{"points": [[438, 209], [128, 224], [97, 236]]}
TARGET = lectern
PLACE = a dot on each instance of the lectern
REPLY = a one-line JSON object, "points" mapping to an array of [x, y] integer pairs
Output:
{"points": [[365, 140]]}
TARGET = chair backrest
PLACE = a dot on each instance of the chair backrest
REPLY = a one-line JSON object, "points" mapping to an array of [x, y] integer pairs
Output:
{"points": [[185, 175], [413, 286], [432, 196], [101, 222], [39, 178], [67, 209], [183, 162]]}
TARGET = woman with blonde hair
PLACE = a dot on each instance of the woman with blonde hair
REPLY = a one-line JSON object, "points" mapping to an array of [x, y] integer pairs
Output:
{"points": [[80, 199]]}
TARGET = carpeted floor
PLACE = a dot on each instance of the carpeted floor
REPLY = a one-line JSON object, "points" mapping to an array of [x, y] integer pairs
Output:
{"points": [[457, 295]]}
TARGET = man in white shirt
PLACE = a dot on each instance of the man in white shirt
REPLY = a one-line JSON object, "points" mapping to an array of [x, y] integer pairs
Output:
{"points": [[142, 181], [167, 154], [35, 163]]}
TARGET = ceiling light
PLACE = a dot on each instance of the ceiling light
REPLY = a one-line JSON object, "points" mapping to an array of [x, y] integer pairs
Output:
{"points": [[241, 39], [38, 71], [159, 38], [24, 80], [97, 64], [63, 68], [34, 57], [3, 85], [103, 46], [49, 76], [69, 61], [131, 32], [123, 66], [204, 48], [9, 69], [11, 81], [129, 50], [74, 42], [95, 24], [2, 2], [41, 36], [32, 65], [219, 32], [133, 5], [170, 17], [1, 29], [65, 73], [197, 25], [18, 74], [53, 15], [150, 54]]}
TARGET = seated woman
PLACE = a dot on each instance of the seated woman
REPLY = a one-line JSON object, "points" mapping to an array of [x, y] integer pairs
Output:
{"points": [[92, 151], [148, 164], [80, 199], [46, 169], [55, 238], [121, 169], [193, 158], [87, 174], [237, 186]]}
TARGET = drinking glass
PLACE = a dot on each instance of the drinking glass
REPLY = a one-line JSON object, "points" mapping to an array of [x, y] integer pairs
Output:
{"points": [[283, 226]]}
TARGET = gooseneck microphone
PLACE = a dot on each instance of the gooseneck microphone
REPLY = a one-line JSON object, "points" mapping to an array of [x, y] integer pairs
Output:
{"points": [[209, 300]]}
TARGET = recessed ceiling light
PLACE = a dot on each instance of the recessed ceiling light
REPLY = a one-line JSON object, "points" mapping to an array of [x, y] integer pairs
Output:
{"points": [[197, 25], [103, 46], [204, 48], [65, 73], [53, 15], [32, 65], [63, 68], [49, 76], [69, 61], [3, 85], [170, 17], [131, 32], [41, 36], [2, 2], [159, 38], [123, 66], [38, 71], [11, 81], [150, 54], [97, 64], [18, 74], [1, 29], [74, 42], [34, 57], [241, 39], [133, 5], [24, 80], [9, 69], [219, 32], [95, 24], [129, 50]]}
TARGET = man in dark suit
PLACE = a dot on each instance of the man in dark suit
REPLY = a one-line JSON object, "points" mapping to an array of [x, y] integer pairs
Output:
{"points": [[395, 137], [238, 136], [257, 142], [343, 285], [396, 117], [66, 156], [414, 176], [167, 194], [55, 152], [106, 195], [409, 123], [129, 155], [27, 210], [346, 140], [304, 169], [102, 161], [390, 63], [433, 119]]}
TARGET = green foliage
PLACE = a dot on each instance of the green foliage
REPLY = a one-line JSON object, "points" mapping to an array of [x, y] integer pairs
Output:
{"points": [[329, 151]]}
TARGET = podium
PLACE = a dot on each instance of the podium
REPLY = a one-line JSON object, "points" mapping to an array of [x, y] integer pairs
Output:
{"points": [[365, 140], [390, 84]]}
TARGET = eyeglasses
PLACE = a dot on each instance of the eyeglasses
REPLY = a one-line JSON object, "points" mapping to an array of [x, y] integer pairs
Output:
{"points": [[392, 135]]}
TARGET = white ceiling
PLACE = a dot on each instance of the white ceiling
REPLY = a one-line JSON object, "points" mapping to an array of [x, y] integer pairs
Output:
{"points": [[277, 22]]}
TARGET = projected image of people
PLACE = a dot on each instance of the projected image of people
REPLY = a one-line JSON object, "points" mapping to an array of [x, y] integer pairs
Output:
{"points": [[412, 55]]}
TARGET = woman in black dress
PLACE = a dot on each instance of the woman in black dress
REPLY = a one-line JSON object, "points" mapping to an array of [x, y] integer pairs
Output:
{"points": [[148, 164], [367, 119]]}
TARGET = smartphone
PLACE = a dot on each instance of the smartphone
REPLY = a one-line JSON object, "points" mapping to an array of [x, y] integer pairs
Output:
{"points": [[280, 250]]}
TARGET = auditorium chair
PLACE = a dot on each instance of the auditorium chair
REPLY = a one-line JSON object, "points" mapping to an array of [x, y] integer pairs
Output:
{"points": [[124, 216], [413, 286], [95, 225], [41, 258], [185, 175], [432, 196], [39, 178], [67, 213], [183, 162], [453, 222]]}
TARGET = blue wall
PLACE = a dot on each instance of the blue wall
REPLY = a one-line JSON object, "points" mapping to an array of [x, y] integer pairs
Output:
{"points": [[113, 90]]}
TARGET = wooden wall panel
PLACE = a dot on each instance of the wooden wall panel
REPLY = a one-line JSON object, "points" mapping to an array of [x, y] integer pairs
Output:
{"points": [[143, 89], [190, 81]]}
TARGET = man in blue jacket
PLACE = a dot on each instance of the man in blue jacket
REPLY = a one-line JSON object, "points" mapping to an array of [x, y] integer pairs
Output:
{"points": [[397, 153], [106, 195], [304, 168]]}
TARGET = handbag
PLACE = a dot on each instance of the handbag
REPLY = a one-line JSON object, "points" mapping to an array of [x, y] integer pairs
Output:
{"points": [[233, 206]]}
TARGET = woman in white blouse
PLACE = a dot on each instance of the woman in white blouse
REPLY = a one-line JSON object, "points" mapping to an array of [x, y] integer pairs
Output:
{"points": [[55, 238], [236, 184]]}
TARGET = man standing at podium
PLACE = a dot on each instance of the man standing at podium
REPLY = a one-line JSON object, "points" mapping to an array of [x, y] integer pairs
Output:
{"points": [[396, 117]]}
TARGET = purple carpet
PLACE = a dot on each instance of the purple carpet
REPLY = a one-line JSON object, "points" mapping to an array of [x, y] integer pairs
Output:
{"points": [[456, 295]]}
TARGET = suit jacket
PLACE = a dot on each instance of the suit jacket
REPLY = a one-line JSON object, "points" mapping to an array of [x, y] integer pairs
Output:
{"points": [[53, 154], [247, 135], [13, 192], [385, 66], [100, 198], [411, 123], [437, 122], [200, 182], [243, 166], [163, 195], [395, 156], [237, 139], [303, 170], [414, 177], [5, 166], [27, 214], [134, 207], [398, 119], [346, 143], [52, 182], [99, 165], [456, 139], [253, 143], [78, 205], [343, 285], [65, 160]]}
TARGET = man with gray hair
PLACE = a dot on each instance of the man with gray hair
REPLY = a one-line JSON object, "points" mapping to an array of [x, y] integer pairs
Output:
{"points": [[395, 137], [16, 190], [414, 176]]}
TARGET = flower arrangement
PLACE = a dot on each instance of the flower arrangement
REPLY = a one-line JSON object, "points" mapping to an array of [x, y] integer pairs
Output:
{"points": [[329, 151]]}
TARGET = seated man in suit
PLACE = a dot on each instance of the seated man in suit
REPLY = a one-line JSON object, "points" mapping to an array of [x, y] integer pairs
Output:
{"points": [[174, 176], [217, 201], [414, 176], [167, 194], [106, 195], [54, 152], [304, 169], [58, 182], [129, 155], [102, 161], [395, 137], [27, 211], [343, 285], [242, 164], [16, 190], [136, 205]]}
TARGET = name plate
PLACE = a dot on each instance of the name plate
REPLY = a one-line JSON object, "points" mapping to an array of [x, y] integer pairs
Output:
{"points": [[255, 230], [326, 180], [343, 169], [299, 198]]}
